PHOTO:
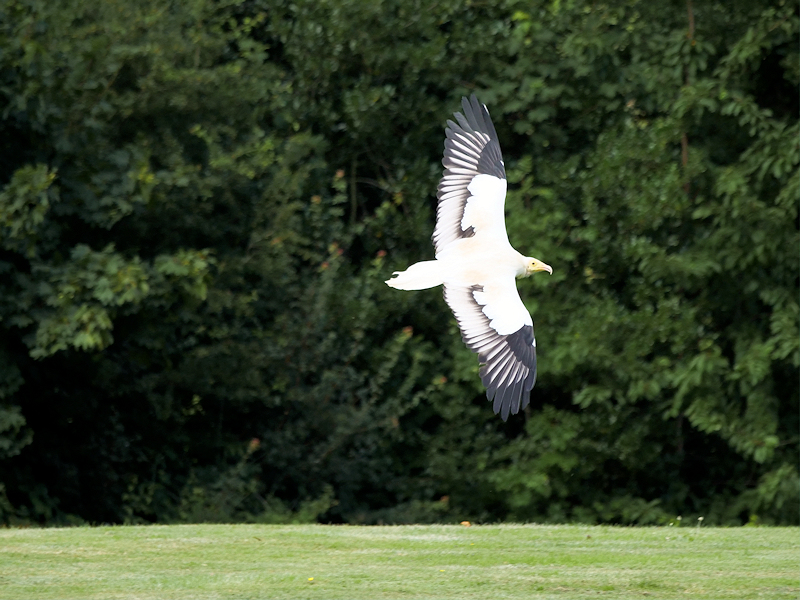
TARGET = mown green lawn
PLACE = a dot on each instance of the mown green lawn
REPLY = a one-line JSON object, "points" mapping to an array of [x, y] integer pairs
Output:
{"points": [[329, 562]]}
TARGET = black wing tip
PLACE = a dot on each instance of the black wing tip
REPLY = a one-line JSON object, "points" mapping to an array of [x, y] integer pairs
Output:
{"points": [[476, 120], [510, 400], [480, 111], [476, 113], [472, 104], [514, 397]]}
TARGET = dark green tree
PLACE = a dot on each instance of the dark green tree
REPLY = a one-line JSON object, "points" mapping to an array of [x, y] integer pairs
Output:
{"points": [[199, 205]]}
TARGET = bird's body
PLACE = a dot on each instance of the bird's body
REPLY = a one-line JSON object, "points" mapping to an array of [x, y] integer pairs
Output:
{"points": [[477, 264]]}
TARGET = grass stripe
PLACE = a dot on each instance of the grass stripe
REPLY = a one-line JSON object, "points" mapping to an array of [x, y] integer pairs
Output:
{"points": [[435, 562]]}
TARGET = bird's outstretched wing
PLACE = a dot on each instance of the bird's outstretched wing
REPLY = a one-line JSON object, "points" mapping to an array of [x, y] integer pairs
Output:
{"points": [[496, 325], [472, 190]]}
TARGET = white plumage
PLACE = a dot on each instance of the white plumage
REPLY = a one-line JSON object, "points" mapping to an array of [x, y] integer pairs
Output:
{"points": [[476, 263]]}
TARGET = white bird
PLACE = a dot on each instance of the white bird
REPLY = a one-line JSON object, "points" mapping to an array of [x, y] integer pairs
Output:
{"points": [[476, 263]]}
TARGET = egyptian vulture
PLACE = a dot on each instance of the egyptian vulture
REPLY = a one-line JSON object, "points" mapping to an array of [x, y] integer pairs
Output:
{"points": [[476, 263]]}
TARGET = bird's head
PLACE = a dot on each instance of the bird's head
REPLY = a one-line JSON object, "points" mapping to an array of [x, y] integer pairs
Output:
{"points": [[534, 264]]}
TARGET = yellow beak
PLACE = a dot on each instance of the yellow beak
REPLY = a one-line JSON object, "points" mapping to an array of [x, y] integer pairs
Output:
{"points": [[540, 266]]}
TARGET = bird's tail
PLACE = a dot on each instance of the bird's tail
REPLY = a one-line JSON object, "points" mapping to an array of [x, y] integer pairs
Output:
{"points": [[420, 276]]}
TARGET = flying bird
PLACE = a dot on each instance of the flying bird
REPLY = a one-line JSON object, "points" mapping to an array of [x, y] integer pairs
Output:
{"points": [[476, 263]]}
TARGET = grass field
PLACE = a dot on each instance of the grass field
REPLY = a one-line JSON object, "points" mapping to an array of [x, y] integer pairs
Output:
{"points": [[443, 562]]}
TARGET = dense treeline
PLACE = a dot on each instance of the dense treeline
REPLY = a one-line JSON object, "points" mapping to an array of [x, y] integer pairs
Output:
{"points": [[199, 202]]}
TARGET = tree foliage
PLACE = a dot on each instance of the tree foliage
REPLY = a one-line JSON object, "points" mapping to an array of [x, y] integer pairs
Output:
{"points": [[199, 204]]}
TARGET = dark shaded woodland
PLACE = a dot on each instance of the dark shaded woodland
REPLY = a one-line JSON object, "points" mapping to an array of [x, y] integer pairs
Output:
{"points": [[200, 201]]}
